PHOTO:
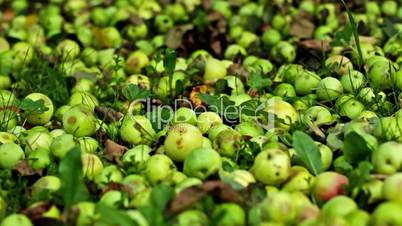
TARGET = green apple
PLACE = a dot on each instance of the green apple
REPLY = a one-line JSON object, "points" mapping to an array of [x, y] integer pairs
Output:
{"points": [[178, 177], [285, 90], [279, 207], [202, 163], [229, 214], [135, 183], [349, 107], [48, 183], [80, 121], [108, 175], [137, 156], [136, 61], [237, 176], [137, 129], [91, 165], [185, 115], [208, 119], [329, 88], [16, 219], [339, 64], [339, 206], [271, 167], [214, 70], [328, 185], [62, 144], [84, 98], [299, 180], [318, 115], [8, 119], [387, 213], [34, 118], [392, 188], [39, 159], [284, 52], [88, 144], [86, 213], [214, 131], [374, 191], [206, 143], [193, 218], [68, 49], [352, 81], [284, 111], [181, 140], [11, 154], [228, 142], [387, 158], [388, 128], [306, 82], [326, 155], [158, 168], [380, 74], [113, 198], [186, 183], [6, 137], [358, 218], [35, 139]]}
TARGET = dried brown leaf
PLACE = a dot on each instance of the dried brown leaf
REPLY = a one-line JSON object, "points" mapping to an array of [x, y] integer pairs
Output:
{"points": [[114, 151], [313, 44], [37, 211], [192, 195], [111, 114], [24, 169], [301, 27]]}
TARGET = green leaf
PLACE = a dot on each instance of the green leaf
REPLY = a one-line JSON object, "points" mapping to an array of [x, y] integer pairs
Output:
{"points": [[169, 62], [153, 215], [307, 151], [161, 195], [357, 148], [257, 82], [361, 175], [221, 86], [353, 24], [255, 216], [389, 28], [33, 106], [343, 36], [73, 187], [134, 92], [221, 105], [112, 216], [201, 21]]}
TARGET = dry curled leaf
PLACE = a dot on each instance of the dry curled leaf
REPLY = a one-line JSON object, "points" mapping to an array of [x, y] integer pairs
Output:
{"points": [[192, 195], [24, 169], [111, 114], [37, 211], [301, 27], [313, 44], [114, 151], [119, 187]]}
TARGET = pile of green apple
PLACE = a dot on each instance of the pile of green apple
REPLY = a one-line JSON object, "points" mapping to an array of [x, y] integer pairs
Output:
{"points": [[331, 70]]}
